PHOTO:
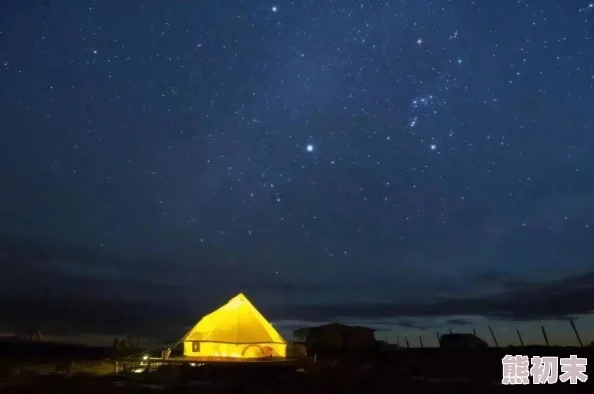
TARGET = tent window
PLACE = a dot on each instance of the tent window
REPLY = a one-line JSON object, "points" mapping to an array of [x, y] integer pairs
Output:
{"points": [[196, 346]]}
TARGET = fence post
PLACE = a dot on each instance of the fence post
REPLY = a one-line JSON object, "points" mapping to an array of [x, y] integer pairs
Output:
{"points": [[577, 334], [520, 336], [493, 335], [544, 334]]}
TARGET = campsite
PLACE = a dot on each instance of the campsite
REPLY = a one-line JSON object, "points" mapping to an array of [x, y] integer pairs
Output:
{"points": [[255, 196], [236, 350]]}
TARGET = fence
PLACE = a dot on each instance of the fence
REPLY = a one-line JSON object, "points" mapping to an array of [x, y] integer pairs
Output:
{"points": [[491, 337]]}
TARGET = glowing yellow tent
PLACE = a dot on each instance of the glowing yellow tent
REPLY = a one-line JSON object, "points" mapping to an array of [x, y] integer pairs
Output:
{"points": [[236, 330]]}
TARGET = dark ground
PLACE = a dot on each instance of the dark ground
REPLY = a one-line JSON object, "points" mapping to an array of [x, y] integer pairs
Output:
{"points": [[69, 369]]}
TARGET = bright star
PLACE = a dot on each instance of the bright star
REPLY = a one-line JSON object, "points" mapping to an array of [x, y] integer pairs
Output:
{"points": [[310, 148], [433, 147], [274, 8]]}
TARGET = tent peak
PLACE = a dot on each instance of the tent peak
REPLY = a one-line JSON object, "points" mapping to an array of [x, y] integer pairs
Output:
{"points": [[240, 296], [238, 301]]}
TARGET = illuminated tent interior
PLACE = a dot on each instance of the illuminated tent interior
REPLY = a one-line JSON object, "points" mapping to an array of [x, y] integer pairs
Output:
{"points": [[235, 330]]}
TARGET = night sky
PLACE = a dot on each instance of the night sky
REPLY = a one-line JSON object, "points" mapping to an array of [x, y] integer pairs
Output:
{"points": [[413, 165]]}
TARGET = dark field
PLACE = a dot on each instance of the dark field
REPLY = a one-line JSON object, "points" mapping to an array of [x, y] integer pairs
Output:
{"points": [[42, 368]]}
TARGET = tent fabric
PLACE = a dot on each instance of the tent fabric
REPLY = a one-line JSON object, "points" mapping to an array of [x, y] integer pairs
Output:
{"points": [[236, 329]]}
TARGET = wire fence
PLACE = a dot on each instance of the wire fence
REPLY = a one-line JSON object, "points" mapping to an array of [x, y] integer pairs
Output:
{"points": [[516, 337]]}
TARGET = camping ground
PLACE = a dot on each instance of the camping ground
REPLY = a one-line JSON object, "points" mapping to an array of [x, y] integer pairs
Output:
{"points": [[27, 366], [33, 368]]}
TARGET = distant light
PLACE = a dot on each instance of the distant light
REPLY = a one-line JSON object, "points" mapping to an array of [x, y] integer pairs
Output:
{"points": [[433, 147], [274, 8], [419, 41], [145, 357], [310, 148]]}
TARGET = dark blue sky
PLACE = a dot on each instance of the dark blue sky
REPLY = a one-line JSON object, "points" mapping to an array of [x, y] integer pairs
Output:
{"points": [[360, 161]]}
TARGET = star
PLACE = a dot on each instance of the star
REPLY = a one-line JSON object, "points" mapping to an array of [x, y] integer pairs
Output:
{"points": [[274, 8], [310, 148]]}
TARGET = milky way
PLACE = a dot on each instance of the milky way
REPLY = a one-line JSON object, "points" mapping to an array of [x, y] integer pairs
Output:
{"points": [[373, 151]]}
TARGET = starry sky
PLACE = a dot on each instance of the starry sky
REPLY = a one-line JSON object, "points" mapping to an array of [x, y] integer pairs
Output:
{"points": [[410, 165]]}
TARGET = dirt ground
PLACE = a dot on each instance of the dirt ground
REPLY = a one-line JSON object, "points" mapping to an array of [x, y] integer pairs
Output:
{"points": [[407, 370]]}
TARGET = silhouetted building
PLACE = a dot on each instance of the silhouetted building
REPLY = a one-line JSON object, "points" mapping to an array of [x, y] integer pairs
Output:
{"points": [[461, 340], [336, 336]]}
